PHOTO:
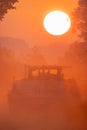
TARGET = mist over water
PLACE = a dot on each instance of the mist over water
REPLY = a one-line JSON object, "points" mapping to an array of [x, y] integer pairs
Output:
{"points": [[40, 104], [43, 83], [43, 104]]}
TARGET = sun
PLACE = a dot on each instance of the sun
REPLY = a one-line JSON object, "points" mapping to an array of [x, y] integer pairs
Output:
{"points": [[57, 22]]}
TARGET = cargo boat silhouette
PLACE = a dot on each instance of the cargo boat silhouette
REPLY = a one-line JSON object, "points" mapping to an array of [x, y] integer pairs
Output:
{"points": [[42, 98]]}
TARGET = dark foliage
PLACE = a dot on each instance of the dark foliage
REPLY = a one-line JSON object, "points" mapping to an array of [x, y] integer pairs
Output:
{"points": [[81, 18], [5, 5], [76, 57]]}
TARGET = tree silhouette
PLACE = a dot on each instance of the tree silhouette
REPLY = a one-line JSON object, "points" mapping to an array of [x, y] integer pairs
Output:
{"points": [[5, 5], [76, 57], [7, 63], [80, 48], [81, 18], [80, 15]]}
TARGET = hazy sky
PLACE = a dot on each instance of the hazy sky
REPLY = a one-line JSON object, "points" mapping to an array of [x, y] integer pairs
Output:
{"points": [[26, 22]]}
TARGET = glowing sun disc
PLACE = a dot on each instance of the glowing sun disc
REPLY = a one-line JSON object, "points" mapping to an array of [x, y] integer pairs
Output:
{"points": [[57, 22]]}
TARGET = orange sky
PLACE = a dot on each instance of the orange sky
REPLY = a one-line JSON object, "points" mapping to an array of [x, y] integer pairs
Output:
{"points": [[26, 22]]}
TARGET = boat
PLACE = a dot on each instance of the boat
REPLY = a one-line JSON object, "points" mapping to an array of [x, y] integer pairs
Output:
{"points": [[42, 98]]}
